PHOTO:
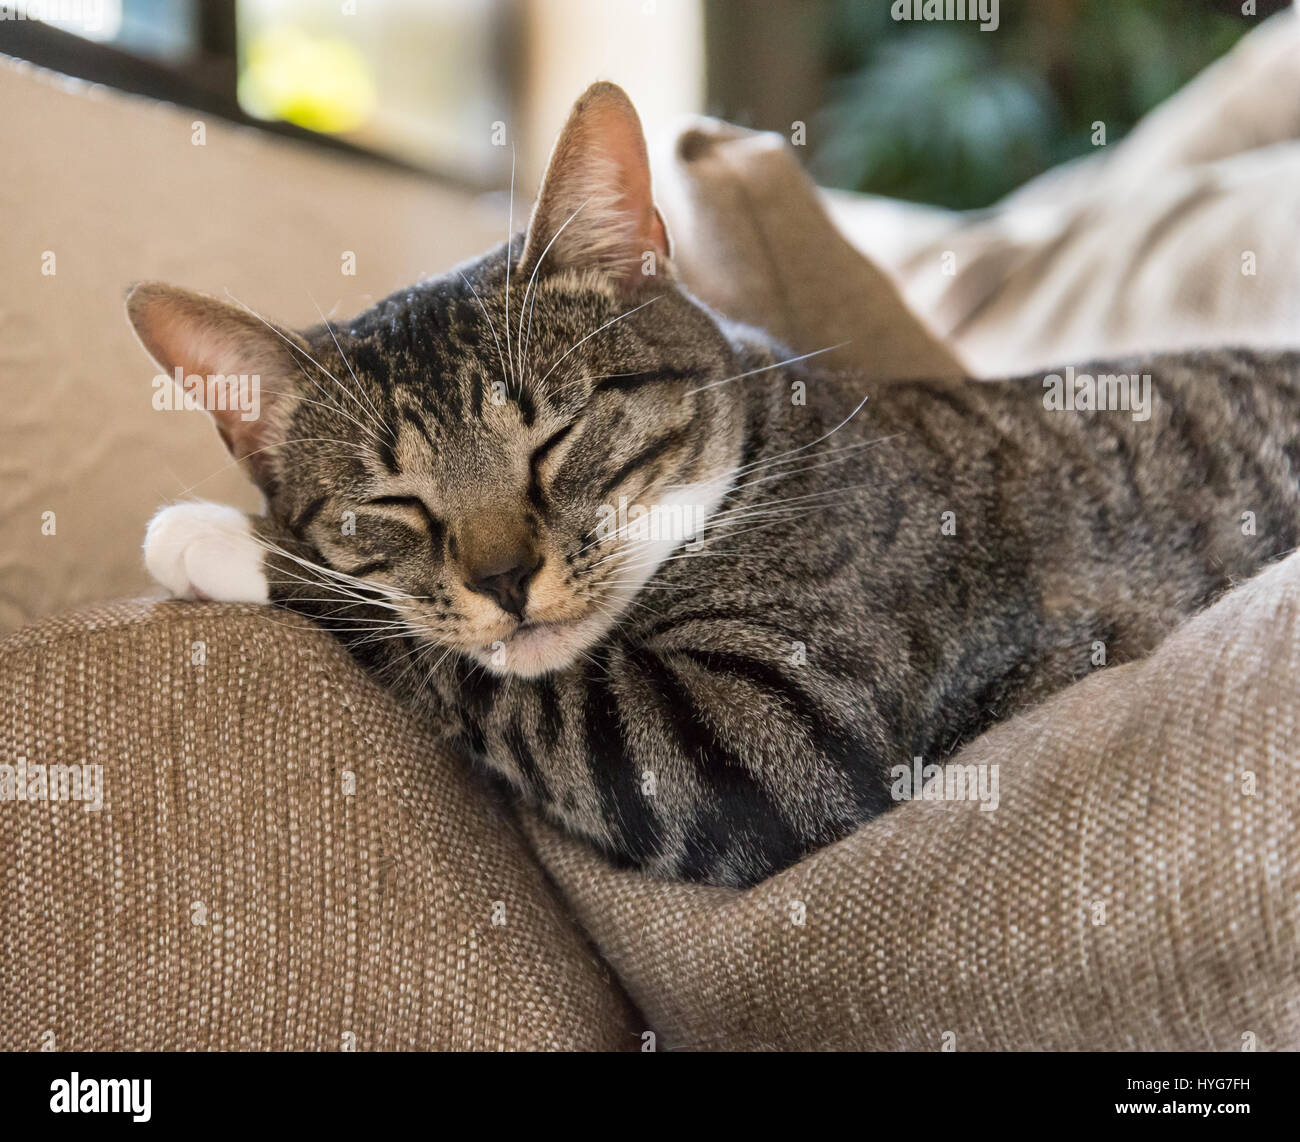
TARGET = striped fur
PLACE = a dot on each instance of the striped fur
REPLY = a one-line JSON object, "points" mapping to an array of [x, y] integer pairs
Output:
{"points": [[866, 583], [748, 703]]}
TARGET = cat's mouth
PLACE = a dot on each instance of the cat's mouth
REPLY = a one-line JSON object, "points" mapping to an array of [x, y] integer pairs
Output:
{"points": [[538, 646], [529, 625]]}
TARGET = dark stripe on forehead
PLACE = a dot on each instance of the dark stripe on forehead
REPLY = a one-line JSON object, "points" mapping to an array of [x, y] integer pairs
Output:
{"points": [[441, 395], [416, 421], [527, 409], [476, 395], [368, 361], [387, 454], [469, 325]]}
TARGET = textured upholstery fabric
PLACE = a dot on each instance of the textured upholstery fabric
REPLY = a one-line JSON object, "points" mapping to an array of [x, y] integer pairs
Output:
{"points": [[752, 239], [283, 859], [1127, 893], [1138, 886]]}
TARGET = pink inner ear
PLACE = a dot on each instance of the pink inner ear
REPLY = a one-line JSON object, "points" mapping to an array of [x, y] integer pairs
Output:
{"points": [[206, 338], [619, 135], [182, 339], [596, 199]]}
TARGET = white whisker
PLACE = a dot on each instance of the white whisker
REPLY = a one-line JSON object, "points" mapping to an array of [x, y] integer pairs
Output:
{"points": [[492, 327], [595, 331], [765, 368], [377, 418]]}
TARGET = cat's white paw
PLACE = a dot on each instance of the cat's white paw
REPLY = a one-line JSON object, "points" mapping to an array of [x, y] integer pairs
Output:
{"points": [[206, 551]]}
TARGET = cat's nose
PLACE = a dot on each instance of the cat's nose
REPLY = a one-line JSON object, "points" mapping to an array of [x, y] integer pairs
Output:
{"points": [[507, 585]]}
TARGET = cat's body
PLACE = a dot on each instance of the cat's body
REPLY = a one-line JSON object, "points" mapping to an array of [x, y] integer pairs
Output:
{"points": [[752, 705], [871, 582]]}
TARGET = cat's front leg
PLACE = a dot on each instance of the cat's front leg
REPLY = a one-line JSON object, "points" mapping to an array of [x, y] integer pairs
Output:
{"points": [[207, 551]]}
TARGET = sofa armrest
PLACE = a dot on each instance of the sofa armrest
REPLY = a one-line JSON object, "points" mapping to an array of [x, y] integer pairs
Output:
{"points": [[284, 858]]}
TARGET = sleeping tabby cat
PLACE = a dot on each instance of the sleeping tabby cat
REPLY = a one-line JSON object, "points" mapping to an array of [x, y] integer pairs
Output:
{"points": [[689, 599]]}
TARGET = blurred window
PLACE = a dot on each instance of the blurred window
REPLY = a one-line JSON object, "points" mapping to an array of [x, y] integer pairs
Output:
{"points": [[401, 79]]}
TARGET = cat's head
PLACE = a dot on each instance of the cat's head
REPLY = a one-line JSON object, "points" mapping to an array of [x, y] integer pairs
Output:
{"points": [[505, 453]]}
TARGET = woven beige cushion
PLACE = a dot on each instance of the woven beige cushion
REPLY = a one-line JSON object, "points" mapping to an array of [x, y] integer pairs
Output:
{"points": [[1183, 234], [1137, 888], [232, 893], [1128, 891], [752, 239]]}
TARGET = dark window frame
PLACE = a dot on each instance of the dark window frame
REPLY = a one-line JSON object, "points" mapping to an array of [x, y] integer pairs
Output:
{"points": [[207, 82]]}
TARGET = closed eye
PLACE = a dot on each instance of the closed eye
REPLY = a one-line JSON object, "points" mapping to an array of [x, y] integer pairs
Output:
{"points": [[536, 496], [395, 502], [435, 525], [631, 382], [368, 569], [540, 454]]}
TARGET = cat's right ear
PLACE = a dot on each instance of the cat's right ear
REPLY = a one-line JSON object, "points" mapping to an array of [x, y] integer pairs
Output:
{"points": [[595, 210], [242, 370]]}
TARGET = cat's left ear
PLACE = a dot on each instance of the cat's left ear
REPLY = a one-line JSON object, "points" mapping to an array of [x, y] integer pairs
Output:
{"points": [[244, 370], [595, 210]]}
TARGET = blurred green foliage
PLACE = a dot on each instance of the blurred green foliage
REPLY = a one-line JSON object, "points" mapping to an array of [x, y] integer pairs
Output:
{"points": [[945, 113]]}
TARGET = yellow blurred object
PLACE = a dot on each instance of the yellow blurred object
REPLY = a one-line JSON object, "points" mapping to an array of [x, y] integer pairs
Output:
{"points": [[322, 83]]}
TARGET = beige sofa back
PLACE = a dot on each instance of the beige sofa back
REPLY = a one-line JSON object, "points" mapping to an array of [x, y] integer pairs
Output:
{"points": [[102, 189]]}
